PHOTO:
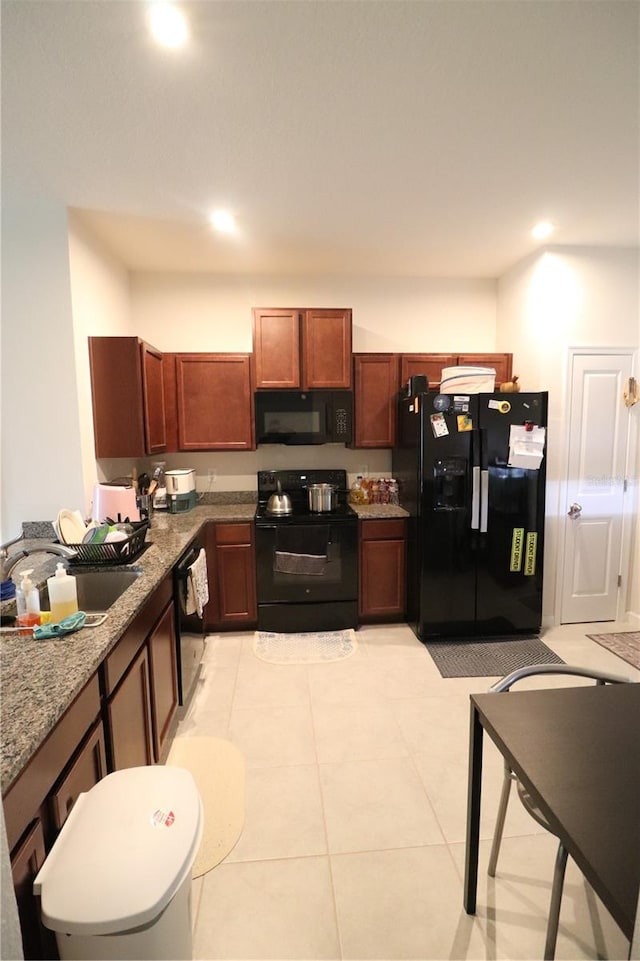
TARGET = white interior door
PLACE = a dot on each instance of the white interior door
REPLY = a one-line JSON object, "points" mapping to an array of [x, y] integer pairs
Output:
{"points": [[596, 488]]}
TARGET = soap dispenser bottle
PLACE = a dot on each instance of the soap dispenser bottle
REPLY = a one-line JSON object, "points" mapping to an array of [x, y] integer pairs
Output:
{"points": [[27, 601], [62, 594]]}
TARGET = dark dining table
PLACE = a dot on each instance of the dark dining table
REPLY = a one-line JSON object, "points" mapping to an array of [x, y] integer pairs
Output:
{"points": [[577, 752]]}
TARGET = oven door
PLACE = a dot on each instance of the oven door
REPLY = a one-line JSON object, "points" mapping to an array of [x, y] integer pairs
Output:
{"points": [[305, 563]]}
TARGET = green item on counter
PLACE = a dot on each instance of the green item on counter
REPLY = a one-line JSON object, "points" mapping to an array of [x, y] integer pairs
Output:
{"points": [[66, 626]]}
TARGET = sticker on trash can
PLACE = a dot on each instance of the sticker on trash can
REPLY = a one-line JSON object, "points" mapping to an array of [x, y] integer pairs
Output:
{"points": [[162, 817]]}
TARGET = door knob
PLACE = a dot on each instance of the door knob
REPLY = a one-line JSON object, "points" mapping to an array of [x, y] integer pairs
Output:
{"points": [[575, 510]]}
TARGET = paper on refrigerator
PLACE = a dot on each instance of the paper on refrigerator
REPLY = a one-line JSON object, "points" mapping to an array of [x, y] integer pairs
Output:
{"points": [[526, 447]]}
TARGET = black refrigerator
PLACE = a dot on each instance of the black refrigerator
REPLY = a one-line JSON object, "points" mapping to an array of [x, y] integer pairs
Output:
{"points": [[476, 524]]}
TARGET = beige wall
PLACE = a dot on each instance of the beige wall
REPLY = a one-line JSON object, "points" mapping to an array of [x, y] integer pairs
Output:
{"points": [[558, 299], [207, 312], [101, 304], [41, 449]]}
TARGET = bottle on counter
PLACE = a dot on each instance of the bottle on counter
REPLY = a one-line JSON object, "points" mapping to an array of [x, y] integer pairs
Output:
{"points": [[394, 492], [62, 594], [27, 601], [356, 493]]}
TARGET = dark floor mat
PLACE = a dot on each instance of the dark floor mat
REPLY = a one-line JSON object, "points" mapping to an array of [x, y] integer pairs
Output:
{"points": [[488, 657]]}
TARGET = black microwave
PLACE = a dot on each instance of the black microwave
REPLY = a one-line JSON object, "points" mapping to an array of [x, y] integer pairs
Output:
{"points": [[304, 417]]}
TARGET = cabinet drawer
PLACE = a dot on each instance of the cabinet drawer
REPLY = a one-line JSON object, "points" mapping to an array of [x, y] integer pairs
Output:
{"points": [[382, 530], [32, 786], [234, 533]]}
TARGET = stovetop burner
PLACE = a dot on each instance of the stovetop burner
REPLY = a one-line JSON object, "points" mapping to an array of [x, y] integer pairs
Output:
{"points": [[295, 483]]}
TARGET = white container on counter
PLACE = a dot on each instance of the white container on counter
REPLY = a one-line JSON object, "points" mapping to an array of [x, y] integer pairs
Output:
{"points": [[114, 501], [63, 595], [180, 481], [468, 380]]}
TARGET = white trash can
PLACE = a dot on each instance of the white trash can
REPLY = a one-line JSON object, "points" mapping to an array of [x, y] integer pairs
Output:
{"points": [[117, 882]]}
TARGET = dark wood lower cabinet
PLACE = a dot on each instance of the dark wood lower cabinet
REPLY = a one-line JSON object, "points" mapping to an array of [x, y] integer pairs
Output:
{"points": [[164, 681], [129, 717], [123, 717], [232, 575], [87, 768], [26, 861], [382, 569]]}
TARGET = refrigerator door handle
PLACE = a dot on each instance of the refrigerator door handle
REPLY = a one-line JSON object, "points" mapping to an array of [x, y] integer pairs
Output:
{"points": [[484, 501], [475, 500]]}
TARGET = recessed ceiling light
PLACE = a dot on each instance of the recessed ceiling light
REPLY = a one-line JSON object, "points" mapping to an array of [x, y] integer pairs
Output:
{"points": [[542, 230], [168, 25], [223, 221]]}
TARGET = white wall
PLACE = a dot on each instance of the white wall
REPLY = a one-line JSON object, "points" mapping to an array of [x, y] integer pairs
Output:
{"points": [[206, 312], [561, 298], [101, 305], [41, 452]]}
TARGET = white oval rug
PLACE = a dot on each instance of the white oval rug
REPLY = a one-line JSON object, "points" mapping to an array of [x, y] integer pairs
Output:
{"points": [[315, 647], [218, 769]]}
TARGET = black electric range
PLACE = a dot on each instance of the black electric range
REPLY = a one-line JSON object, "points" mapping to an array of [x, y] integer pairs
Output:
{"points": [[306, 561], [295, 483]]}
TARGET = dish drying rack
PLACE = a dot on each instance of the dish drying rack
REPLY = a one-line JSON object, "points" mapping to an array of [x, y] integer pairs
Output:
{"points": [[112, 552]]}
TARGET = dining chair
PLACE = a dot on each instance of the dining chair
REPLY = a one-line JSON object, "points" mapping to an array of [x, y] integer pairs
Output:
{"points": [[505, 685]]}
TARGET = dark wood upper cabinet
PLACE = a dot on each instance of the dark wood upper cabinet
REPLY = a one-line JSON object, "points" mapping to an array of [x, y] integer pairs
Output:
{"points": [[375, 379], [128, 397], [302, 348], [153, 399], [502, 364], [276, 346], [429, 364], [213, 402], [433, 364], [326, 349]]}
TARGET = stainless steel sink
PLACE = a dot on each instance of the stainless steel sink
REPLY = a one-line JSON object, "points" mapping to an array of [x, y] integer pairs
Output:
{"points": [[97, 590]]}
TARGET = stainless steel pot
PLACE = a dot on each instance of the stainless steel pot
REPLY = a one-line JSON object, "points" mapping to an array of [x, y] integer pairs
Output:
{"points": [[322, 497], [279, 503]]}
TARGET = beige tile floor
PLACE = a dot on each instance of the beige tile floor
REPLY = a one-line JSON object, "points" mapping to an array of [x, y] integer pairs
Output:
{"points": [[353, 844]]}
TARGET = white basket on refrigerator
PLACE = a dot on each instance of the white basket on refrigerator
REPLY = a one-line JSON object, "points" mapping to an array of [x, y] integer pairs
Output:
{"points": [[468, 380]]}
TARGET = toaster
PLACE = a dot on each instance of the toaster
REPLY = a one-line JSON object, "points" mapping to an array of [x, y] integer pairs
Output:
{"points": [[114, 501]]}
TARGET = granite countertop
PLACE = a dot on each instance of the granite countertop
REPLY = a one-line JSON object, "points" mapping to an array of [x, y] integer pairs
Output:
{"points": [[379, 511], [40, 679]]}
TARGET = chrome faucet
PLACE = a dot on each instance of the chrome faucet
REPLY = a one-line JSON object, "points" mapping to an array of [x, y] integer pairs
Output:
{"points": [[9, 561]]}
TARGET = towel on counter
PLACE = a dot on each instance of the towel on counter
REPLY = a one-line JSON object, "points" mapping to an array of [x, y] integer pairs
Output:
{"points": [[301, 550], [197, 585]]}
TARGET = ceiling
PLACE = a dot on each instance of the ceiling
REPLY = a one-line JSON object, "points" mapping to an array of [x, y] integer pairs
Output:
{"points": [[362, 137]]}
